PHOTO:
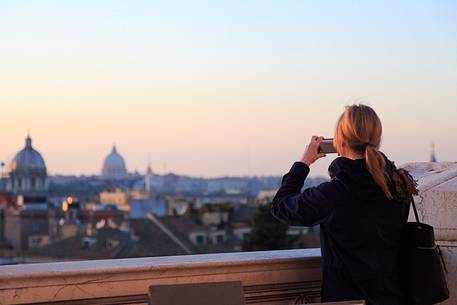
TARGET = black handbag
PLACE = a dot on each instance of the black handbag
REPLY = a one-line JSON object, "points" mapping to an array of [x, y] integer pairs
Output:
{"points": [[423, 265]]}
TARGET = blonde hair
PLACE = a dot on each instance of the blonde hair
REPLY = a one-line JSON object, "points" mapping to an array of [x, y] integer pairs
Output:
{"points": [[361, 129]]}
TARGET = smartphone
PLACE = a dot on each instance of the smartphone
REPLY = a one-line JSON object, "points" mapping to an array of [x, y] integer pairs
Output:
{"points": [[327, 147]]}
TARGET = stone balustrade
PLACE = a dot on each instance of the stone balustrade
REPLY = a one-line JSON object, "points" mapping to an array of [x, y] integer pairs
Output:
{"points": [[268, 278]]}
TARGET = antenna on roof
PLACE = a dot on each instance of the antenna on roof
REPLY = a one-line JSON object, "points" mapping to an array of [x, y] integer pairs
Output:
{"points": [[149, 168]]}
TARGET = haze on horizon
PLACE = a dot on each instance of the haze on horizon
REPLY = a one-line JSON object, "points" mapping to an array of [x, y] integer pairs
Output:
{"points": [[227, 88]]}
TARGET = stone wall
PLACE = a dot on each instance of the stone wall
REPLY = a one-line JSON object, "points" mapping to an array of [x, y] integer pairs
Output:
{"points": [[268, 278]]}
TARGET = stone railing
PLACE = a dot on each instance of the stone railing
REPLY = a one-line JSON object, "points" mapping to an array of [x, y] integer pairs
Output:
{"points": [[268, 278]]}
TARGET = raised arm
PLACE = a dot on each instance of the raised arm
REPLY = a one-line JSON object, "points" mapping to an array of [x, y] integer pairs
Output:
{"points": [[307, 208], [311, 206]]}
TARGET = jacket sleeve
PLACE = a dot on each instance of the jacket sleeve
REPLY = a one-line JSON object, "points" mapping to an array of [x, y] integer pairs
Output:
{"points": [[307, 208]]}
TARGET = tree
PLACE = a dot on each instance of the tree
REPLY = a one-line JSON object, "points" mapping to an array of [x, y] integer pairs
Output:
{"points": [[268, 233]]}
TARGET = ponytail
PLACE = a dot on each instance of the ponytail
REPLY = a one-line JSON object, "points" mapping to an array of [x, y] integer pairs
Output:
{"points": [[376, 166], [360, 129]]}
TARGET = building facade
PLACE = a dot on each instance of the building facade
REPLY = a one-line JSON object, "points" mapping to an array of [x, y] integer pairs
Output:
{"points": [[28, 173], [114, 166]]}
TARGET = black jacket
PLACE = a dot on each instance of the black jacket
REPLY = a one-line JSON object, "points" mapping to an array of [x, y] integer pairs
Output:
{"points": [[361, 230]]}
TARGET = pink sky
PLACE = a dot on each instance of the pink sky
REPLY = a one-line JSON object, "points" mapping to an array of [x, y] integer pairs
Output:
{"points": [[234, 91]]}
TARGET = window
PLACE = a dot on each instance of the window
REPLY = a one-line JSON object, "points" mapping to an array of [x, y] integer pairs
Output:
{"points": [[219, 238], [200, 239]]}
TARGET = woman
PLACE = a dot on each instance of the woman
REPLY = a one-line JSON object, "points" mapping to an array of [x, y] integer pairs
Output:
{"points": [[360, 215]]}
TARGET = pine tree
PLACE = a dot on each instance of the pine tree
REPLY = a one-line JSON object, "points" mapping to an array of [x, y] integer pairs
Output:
{"points": [[268, 233]]}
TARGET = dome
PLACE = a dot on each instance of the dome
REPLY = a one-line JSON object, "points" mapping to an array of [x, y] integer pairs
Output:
{"points": [[28, 161], [114, 166]]}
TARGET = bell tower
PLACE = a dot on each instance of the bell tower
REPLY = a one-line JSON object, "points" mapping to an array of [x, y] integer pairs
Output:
{"points": [[432, 153]]}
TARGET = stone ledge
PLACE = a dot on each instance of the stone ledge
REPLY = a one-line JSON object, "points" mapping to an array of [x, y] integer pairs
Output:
{"points": [[269, 277]]}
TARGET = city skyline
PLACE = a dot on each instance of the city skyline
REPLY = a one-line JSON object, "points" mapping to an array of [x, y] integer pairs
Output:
{"points": [[222, 89], [7, 165]]}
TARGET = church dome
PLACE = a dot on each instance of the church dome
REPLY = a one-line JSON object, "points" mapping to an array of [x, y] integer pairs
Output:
{"points": [[114, 166], [28, 161]]}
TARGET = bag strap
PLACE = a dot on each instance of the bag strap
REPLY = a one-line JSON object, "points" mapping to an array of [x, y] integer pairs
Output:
{"points": [[442, 258], [414, 209]]}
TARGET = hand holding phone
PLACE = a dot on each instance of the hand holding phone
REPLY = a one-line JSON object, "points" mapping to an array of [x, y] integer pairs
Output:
{"points": [[311, 153]]}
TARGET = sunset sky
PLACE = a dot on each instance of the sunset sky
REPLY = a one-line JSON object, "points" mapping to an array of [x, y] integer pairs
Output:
{"points": [[213, 88]]}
